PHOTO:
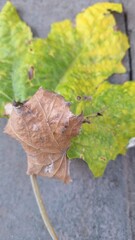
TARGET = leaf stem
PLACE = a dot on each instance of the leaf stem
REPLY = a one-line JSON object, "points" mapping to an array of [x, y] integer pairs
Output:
{"points": [[42, 209]]}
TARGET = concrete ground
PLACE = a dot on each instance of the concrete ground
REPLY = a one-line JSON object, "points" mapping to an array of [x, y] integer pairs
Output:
{"points": [[87, 209]]}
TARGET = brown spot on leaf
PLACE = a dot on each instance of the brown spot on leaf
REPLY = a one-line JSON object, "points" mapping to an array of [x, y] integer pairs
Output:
{"points": [[28, 42], [31, 73], [34, 126], [79, 98], [99, 114], [86, 120], [103, 158], [87, 98], [84, 98]]}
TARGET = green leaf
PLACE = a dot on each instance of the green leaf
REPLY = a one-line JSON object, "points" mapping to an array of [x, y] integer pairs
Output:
{"points": [[69, 55], [110, 129], [14, 36], [21, 58]]}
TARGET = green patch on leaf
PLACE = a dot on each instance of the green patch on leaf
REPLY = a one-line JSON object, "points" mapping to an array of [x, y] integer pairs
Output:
{"points": [[21, 59], [111, 115]]}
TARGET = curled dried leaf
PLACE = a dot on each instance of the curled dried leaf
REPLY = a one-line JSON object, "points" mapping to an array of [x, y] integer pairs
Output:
{"points": [[44, 126]]}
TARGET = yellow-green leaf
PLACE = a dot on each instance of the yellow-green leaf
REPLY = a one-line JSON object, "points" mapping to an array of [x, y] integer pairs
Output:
{"points": [[14, 38], [111, 117], [71, 54], [21, 58], [100, 49]]}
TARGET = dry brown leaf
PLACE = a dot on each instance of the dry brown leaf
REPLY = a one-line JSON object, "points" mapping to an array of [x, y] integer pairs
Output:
{"points": [[44, 126]]}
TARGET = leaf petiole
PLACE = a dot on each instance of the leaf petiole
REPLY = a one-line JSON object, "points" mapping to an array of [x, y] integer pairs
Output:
{"points": [[42, 209]]}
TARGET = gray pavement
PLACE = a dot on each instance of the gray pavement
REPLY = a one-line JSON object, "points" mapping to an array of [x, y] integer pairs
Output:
{"points": [[88, 208]]}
